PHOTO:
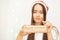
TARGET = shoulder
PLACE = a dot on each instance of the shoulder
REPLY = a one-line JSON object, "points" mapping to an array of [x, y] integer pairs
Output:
{"points": [[55, 33], [55, 30]]}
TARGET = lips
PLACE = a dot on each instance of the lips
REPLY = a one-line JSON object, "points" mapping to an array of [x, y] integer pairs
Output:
{"points": [[38, 18]]}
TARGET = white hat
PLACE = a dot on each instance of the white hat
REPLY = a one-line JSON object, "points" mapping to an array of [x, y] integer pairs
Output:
{"points": [[43, 3]]}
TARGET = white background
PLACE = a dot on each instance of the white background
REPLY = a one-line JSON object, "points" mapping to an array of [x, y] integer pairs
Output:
{"points": [[15, 13]]}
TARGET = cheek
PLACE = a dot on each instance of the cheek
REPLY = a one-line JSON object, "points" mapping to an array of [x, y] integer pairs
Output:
{"points": [[34, 15], [42, 16]]}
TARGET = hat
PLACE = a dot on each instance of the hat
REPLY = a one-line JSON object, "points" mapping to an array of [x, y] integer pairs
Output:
{"points": [[43, 3]]}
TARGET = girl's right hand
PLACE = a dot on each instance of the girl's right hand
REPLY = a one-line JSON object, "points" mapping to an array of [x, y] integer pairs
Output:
{"points": [[23, 31]]}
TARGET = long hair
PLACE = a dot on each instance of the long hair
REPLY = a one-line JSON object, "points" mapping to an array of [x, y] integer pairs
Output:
{"points": [[31, 36]]}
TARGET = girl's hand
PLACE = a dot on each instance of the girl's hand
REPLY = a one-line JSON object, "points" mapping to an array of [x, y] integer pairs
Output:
{"points": [[23, 31], [48, 25]]}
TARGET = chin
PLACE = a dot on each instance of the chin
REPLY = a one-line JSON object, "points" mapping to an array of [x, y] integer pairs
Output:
{"points": [[38, 21]]}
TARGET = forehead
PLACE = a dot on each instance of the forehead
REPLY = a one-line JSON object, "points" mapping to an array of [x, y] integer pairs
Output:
{"points": [[38, 7]]}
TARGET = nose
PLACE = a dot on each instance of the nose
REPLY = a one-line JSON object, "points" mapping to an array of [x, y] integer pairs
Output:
{"points": [[38, 14]]}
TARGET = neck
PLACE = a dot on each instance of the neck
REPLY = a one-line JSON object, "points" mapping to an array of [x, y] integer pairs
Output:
{"points": [[37, 23]]}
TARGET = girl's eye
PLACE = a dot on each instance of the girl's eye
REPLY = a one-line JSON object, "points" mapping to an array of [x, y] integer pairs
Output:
{"points": [[34, 11], [41, 12]]}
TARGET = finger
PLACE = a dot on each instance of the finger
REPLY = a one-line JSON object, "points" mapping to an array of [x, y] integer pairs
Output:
{"points": [[44, 22]]}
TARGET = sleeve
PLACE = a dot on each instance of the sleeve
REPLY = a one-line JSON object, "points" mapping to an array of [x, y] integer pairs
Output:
{"points": [[55, 33]]}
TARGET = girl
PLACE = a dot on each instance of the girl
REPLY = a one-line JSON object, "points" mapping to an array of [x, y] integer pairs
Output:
{"points": [[39, 11]]}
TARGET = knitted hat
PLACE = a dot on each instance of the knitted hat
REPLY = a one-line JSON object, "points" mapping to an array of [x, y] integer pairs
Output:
{"points": [[41, 2]]}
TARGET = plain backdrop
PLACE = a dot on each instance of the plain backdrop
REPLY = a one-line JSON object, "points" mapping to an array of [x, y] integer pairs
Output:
{"points": [[15, 13]]}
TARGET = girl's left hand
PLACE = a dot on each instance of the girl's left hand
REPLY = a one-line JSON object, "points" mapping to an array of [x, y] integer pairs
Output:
{"points": [[48, 25]]}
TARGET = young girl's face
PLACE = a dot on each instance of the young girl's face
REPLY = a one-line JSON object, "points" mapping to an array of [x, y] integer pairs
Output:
{"points": [[38, 14]]}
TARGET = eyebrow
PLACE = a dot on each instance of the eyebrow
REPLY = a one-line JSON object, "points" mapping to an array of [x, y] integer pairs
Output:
{"points": [[39, 10]]}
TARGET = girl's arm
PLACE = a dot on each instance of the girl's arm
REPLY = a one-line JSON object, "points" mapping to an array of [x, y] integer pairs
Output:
{"points": [[19, 37], [49, 34]]}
